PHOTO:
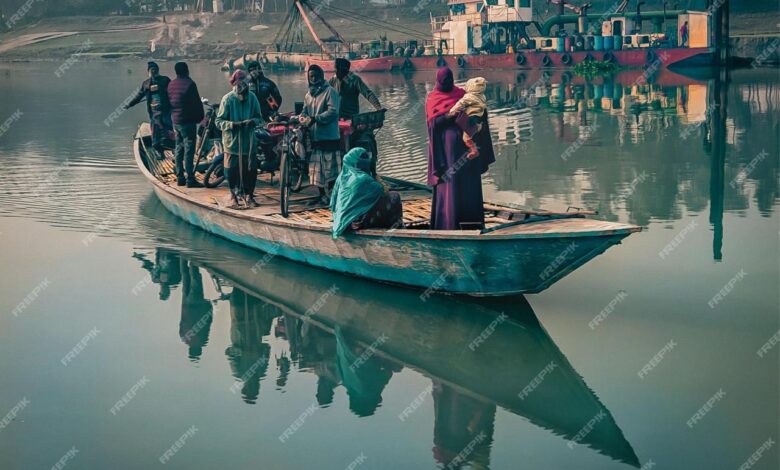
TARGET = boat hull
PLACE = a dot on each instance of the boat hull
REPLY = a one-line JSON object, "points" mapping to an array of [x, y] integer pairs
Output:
{"points": [[380, 64], [532, 59], [536, 59], [505, 267]]}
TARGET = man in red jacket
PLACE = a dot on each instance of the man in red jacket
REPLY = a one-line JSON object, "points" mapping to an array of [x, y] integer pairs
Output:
{"points": [[186, 112]]}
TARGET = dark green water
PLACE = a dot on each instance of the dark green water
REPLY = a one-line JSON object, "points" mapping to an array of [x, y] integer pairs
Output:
{"points": [[124, 330]]}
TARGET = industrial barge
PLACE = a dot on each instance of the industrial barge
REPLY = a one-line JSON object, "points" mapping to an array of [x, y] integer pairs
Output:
{"points": [[494, 34]]}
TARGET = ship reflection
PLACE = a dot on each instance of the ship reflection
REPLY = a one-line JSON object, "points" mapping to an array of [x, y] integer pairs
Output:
{"points": [[357, 335], [635, 146]]}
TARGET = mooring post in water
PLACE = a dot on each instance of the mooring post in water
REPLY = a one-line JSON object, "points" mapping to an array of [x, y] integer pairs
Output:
{"points": [[720, 20], [717, 118]]}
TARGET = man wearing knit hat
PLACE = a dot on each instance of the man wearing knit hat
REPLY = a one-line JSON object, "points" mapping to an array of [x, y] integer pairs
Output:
{"points": [[155, 90], [265, 90], [238, 115]]}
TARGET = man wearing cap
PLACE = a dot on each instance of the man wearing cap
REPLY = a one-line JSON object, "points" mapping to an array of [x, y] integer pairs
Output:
{"points": [[265, 90], [186, 112], [238, 115], [155, 90], [350, 87]]}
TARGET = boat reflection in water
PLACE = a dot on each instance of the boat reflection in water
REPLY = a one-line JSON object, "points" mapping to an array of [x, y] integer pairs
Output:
{"points": [[345, 331]]}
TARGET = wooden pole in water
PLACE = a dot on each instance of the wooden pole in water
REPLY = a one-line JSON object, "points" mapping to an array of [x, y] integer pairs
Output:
{"points": [[717, 124], [721, 23], [726, 26]]}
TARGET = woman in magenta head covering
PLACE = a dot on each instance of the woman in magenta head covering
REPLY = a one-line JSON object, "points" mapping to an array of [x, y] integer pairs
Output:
{"points": [[456, 179]]}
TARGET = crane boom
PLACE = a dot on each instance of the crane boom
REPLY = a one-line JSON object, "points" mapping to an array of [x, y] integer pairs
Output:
{"points": [[311, 29], [327, 25]]}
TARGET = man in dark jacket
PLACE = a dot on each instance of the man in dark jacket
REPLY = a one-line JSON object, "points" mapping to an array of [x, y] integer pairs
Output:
{"points": [[187, 112], [155, 90], [265, 90]]}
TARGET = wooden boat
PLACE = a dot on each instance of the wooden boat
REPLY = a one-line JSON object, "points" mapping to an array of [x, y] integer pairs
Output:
{"points": [[433, 341], [517, 252]]}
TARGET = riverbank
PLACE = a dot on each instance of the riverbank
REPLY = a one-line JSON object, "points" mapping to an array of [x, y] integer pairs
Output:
{"points": [[194, 36], [218, 37]]}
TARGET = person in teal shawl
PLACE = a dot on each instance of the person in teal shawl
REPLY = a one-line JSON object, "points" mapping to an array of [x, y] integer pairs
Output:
{"points": [[359, 200], [364, 374]]}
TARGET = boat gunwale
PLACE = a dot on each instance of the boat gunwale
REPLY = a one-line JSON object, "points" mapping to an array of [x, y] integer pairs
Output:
{"points": [[454, 235]]}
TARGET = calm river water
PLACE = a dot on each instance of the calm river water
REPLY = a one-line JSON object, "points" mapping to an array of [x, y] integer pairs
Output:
{"points": [[129, 339]]}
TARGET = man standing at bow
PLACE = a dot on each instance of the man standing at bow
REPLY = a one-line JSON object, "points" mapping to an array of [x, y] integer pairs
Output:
{"points": [[155, 90]]}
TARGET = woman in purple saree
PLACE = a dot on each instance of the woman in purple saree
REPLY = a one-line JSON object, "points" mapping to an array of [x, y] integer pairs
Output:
{"points": [[456, 179]]}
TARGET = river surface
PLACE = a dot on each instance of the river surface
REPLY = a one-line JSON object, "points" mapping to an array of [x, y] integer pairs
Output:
{"points": [[129, 339]]}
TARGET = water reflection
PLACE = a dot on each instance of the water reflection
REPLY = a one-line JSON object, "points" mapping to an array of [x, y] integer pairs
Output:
{"points": [[357, 335], [248, 355], [646, 149], [636, 148]]}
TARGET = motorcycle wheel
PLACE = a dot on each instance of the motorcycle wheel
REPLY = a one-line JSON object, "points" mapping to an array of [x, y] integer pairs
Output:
{"points": [[214, 176]]}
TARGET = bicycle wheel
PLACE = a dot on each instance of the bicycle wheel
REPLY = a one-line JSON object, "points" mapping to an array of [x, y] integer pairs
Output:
{"points": [[284, 183]]}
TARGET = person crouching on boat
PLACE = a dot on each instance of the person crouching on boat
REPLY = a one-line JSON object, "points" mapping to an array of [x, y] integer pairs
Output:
{"points": [[238, 115], [321, 114], [360, 201], [187, 112], [155, 90]]}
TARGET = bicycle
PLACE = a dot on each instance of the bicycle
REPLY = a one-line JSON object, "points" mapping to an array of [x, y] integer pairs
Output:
{"points": [[293, 165]]}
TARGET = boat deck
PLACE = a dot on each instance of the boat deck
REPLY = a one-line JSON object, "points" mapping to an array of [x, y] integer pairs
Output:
{"points": [[306, 208], [304, 205]]}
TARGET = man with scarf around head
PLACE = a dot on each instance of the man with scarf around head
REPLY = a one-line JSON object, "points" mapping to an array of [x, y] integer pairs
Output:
{"points": [[350, 87], [321, 115], [155, 90], [265, 90], [238, 115], [187, 112]]}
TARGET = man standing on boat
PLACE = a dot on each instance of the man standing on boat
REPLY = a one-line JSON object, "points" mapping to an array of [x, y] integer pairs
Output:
{"points": [[238, 115], [265, 90], [186, 112], [350, 87], [684, 34], [321, 113], [155, 90]]}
